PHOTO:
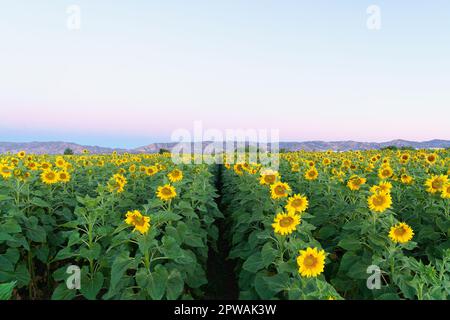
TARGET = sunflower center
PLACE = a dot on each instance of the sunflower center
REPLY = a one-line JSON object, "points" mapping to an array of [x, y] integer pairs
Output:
{"points": [[166, 191], [270, 178], [286, 222], [139, 221], [310, 261], [386, 172], [279, 190], [378, 200], [297, 203], [400, 231], [50, 176], [437, 184]]}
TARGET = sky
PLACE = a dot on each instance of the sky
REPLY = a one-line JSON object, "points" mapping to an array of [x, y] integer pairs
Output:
{"points": [[136, 71]]}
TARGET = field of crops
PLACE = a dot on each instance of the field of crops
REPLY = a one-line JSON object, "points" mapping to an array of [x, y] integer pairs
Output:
{"points": [[323, 225]]}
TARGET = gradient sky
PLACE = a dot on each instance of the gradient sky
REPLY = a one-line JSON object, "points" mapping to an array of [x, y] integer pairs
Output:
{"points": [[138, 70]]}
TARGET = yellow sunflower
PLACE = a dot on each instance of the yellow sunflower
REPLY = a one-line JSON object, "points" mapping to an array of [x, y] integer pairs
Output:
{"points": [[401, 233], [268, 177], [63, 176], [141, 223], [297, 203], [6, 171], [286, 223], [166, 192], [311, 262], [49, 177], [311, 174], [150, 171], [380, 201], [406, 179], [175, 175], [436, 183], [356, 182], [21, 154], [385, 172], [446, 191], [279, 190]]}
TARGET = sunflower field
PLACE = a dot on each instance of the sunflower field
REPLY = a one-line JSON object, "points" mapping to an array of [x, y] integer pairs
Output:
{"points": [[322, 225]]}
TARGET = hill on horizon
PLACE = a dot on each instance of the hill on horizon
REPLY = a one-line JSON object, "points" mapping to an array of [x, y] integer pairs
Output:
{"points": [[58, 147]]}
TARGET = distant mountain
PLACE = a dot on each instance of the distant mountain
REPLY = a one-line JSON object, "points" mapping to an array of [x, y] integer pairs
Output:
{"points": [[52, 148], [59, 147]]}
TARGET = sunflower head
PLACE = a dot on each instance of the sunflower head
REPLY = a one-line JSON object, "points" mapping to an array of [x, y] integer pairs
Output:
{"points": [[49, 177], [356, 182], [380, 201], [401, 233], [141, 223], [436, 183], [446, 191], [311, 262], [297, 203], [268, 177], [311, 174], [285, 223], [166, 192], [175, 175], [279, 190]]}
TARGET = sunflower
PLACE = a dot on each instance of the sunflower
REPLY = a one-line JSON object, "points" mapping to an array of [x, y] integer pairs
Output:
{"points": [[401, 233], [46, 166], [356, 182], [295, 167], [175, 175], [406, 179], [238, 168], [311, 262], [279, 190], [60, 162], [63, 176], [166, 192], [152, 170], [431, 158], [49, 177], [383, 186], [379, 201], [436, 183], [297, 203], [385, 172], [446, 191], [141, 223], [21, 154], [311, 174], [326, 162], [285, 223], [6, 171], [269, 177]]}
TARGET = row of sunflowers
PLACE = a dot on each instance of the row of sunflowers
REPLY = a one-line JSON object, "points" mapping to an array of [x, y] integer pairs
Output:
{"points": [[348, 225], [131, 226]]}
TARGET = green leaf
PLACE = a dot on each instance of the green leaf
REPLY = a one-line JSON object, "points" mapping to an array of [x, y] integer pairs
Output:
{"points": [[10, 226], [63, 293], [350, 244], [121, 264], [254, 263], [40, 203], [91, 287], [37, 233], [157, 282], [175, 285], [6, 290], [268, 254]]}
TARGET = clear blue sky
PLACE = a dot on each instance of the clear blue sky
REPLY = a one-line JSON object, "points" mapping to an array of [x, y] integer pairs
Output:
{"points": [[138, 70]]}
